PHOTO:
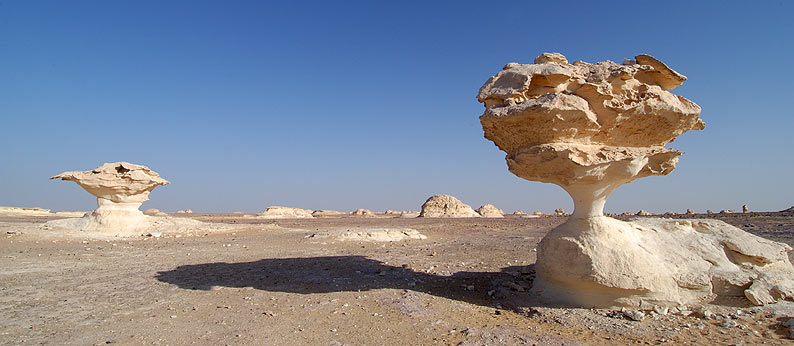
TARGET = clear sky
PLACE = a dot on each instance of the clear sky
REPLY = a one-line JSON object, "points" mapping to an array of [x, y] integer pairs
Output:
{"points": [[344, 105]]}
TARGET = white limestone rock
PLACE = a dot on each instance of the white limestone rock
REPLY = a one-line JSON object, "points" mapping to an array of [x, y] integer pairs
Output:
{"points": [[446, 206], [381, 235], [590, 128], [489, 210], [409, 214], [278, 212], [154, 212], [362, 213], [120, 189], [603, 262], [37, 212], [327, 213]]}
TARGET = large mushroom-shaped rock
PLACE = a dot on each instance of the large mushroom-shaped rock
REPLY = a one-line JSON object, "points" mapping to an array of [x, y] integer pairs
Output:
{"points": [[590, 128], [446, 206], [120, 188], [489, 210]]}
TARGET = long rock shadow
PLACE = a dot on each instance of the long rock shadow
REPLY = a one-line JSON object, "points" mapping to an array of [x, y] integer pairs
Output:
{"points": [[307, 275]]}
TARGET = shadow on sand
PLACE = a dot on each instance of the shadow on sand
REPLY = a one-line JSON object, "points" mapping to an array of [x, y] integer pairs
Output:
{"points": [[306, 275]]}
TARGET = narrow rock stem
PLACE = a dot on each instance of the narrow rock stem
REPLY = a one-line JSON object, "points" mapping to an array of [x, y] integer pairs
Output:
{"points": [[589, 199]]}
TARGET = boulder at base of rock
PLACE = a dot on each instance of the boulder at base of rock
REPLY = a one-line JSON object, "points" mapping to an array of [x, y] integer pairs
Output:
{"points": [[664, 262], [446, 206], [277, 212], [489, 210]]}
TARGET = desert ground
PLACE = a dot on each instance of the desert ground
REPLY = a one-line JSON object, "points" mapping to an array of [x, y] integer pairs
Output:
{"points": [[294, 282]]}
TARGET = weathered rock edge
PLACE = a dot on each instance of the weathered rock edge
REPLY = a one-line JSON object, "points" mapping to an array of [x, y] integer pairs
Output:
{"points": [[650, 262]]}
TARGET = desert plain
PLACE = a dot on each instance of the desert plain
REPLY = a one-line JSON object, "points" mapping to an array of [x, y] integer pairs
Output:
{"points": [[247, 280]]}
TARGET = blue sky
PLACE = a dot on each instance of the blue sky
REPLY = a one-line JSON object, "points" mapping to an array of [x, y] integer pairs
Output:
{"points": [[326, 105]]}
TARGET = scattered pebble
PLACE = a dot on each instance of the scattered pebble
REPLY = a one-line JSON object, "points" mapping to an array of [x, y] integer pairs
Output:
{"points": [[634, 315], [728, 324]]}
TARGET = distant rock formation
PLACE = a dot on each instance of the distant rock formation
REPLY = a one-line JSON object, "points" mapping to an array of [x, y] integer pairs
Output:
{"points": [[559, 212], [327, 213], [643, 213], [519, 212], [37, 212], [690, 212], [278, 212], [590, 128], [362, 212], [745, 209], [446, 206], [154, 212], [489, 210], [410, 214]]}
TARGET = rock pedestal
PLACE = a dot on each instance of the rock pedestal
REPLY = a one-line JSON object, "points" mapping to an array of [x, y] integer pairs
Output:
{"points": [[590, 128], [120, 188]]}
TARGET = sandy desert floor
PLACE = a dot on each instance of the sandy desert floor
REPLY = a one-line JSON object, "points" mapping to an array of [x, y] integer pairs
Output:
{"points": [[291, 282]]}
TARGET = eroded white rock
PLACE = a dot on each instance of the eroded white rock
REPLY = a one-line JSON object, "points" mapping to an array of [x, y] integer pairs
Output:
{"points": [[590, 128], [489, 210], [327, 213], [278, 212], [362, 212], [120, 188], [603, 262], [379, 235], [446, 206]]}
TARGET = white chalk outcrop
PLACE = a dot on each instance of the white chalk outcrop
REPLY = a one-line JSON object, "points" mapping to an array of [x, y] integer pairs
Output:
{"points": [[154, 212], [590, 128], [362, 213], [489, 210], [446, 206], [36, 212], [327, 213], [120, 188], [380, 235], [277, 212]]}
